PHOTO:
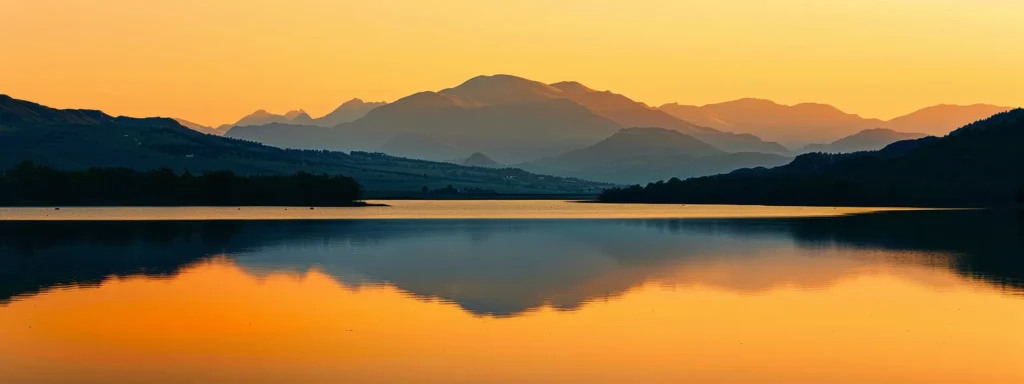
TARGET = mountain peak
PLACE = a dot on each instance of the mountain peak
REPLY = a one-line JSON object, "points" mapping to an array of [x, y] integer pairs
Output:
{"points": [[632, 142], [358, 103], [572, 87], [502, 89], [478, 159], [291, 115]]}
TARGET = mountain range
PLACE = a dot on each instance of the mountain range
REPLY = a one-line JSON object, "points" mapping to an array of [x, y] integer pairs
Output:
{"points": [[73, 139], [810, 123], [510, 118], [979, 164], [347, 111], [518, 120], [866, 140]]}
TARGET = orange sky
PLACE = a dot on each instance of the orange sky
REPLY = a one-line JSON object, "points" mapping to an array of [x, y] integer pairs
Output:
{"points": [[214, 61]]}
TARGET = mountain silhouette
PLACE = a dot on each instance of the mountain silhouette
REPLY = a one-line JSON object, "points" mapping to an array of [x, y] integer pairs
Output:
{"points": [[81, 139], [809, 123], [939, 120], [502, 89], [260, 117], [510, 118], [796, 124], [218, 131], [509, 132], [630, 113], [631, 142], [980, 164], [348, 111], [638, 155], [478, 159], [298, 117], [866, 140]]}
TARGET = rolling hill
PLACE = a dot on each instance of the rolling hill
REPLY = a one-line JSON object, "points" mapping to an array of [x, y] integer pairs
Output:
{"points": [[79, 139]]}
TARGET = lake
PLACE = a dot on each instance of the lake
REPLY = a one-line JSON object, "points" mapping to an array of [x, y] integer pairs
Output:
{"points": [[559, 293]]}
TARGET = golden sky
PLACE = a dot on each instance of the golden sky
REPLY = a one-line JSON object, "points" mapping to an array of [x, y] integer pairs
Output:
{"points": [[212, 61]]}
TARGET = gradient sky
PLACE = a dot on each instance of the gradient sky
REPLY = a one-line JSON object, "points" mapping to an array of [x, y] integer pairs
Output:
{"points": [[212, 61]]}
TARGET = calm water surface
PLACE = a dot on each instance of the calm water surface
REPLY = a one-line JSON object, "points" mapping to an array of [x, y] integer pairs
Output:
{"points": [[886, 297], [428, 209]]}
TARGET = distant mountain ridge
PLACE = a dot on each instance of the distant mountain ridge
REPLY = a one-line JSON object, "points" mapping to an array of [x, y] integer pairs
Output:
{"points": [[866, 140], [510, 118], [347, 111], [638, 155], [940, 119], [808, 123], [632, 142]]}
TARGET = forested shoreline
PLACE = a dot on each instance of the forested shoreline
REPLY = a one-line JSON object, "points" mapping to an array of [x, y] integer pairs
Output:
{"points": [[30, 184]]}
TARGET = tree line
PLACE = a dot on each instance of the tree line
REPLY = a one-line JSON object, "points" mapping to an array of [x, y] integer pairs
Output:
{"points": [[30, 184]]}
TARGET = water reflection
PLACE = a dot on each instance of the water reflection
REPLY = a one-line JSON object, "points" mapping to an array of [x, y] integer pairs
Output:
{"points": [[508, 267]]}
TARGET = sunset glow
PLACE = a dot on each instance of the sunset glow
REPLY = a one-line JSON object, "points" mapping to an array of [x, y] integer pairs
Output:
{"points": [[214, 61]]}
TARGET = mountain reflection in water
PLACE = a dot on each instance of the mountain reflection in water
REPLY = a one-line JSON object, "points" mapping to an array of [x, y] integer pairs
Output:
{"points": [[508, 267]]}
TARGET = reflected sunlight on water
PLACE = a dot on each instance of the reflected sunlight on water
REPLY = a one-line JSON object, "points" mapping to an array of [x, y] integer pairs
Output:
{"points": [[430, 209]]}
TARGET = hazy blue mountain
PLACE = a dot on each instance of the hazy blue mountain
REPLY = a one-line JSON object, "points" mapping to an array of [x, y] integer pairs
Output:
{"points": [[478, 159], [866, 140]]}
